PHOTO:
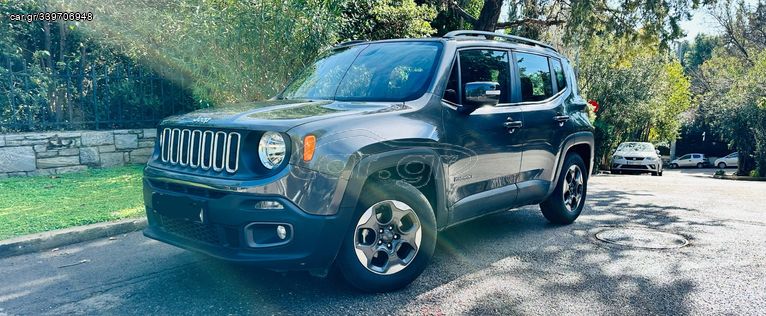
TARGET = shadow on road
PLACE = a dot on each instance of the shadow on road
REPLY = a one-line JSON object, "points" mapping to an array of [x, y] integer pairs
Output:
{"points": [[511, 262]]}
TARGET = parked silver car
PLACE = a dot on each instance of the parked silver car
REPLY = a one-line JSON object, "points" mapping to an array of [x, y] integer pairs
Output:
{"points": [[730, 160], [636, 157]]}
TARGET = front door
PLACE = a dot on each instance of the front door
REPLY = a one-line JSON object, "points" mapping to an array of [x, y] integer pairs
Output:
{"points": [[483, 181]]}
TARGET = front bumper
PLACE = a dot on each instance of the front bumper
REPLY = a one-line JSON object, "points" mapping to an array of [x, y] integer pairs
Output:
{"points": [[228, 228], [648, 166]]}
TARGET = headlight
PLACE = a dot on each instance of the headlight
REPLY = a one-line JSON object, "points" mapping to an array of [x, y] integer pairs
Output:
{"points": [[271, 149], [617, 157]]}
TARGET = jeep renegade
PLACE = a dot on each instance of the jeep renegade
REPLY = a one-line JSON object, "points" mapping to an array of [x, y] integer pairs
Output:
{"points": [[370, 152]]}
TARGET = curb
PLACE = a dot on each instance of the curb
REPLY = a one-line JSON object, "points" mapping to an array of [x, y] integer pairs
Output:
{"points": [[62, 237], [740, 178]]}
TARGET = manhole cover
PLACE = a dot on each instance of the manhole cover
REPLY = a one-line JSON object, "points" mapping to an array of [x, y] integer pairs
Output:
{"points": [[641, 238]]}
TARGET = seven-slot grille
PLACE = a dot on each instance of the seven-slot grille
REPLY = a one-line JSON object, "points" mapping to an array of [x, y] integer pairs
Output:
{"points": [[201, 149]]}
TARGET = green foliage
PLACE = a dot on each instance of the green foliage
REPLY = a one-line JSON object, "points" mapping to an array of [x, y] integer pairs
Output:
{"points": [[385, 19], [641, 93], [229, 50], [697, 52], [733, 85], [59, 72], [38, 204], [646, 21]]}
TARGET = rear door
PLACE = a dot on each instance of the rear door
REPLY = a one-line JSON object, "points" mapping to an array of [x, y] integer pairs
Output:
{"points": [[485, 181], [543, 96]]}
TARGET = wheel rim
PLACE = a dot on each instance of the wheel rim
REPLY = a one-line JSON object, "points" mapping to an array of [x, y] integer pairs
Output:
{"points": [[387, 237], [573, 188]]}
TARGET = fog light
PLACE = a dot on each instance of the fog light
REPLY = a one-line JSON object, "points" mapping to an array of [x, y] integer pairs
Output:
{"points": [[281, 232], [269, 205]]}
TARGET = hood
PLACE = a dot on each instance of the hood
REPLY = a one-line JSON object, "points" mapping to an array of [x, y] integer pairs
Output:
{"points": [[633, 153], [274, 115]]}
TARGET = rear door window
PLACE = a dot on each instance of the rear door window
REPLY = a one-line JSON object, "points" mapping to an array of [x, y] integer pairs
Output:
{"points": [[535, 76]]}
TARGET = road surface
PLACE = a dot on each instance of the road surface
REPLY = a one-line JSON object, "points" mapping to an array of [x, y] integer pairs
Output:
{"points": [[509, 263]]}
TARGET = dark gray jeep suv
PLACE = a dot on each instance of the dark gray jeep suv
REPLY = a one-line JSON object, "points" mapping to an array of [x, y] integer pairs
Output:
{"points": [[370, 152]]}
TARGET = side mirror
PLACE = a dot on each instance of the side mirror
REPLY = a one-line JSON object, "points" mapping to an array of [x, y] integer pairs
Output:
{"points": [[481, 93]]}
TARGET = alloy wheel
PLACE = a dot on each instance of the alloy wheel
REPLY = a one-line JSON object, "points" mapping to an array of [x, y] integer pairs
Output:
{"points": [[387, 237], [573, 188]]}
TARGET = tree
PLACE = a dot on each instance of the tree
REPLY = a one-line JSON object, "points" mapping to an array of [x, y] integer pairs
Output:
{"points": [[641, 91], [385, 19], [733, 91], [583, 19]]}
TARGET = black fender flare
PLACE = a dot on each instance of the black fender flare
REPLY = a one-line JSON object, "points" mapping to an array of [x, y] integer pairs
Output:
{"points": [[370, 164], [578, 138]]}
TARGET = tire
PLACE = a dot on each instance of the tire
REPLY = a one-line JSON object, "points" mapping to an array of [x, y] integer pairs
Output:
{"points": [[616, 172], [673, 166], [380, 201], [722, 165], [560, 207], [700, 165]]}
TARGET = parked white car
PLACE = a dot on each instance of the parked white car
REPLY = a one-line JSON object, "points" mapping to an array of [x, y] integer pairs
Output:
{"points": [[731, 160], [689, 160], [636, 157]]}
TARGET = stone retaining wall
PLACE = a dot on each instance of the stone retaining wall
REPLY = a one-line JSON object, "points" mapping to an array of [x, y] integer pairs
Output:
{"points": [[48, 153]]}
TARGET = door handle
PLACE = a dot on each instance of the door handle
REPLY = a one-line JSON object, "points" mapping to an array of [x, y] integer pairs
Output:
{"points": [[512, 125], [561, 119]]}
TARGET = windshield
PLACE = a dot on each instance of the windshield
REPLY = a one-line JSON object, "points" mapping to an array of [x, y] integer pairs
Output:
{"points": [[394, 71], [640, 147]]}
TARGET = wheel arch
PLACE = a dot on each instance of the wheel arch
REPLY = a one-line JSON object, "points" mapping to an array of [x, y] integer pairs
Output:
{"points": [[429, 180], [581, 143]]}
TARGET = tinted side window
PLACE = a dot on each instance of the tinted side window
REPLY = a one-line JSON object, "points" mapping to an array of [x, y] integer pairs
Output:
{"points": [[558, 70], [535, 75], [450, 93], [483, 65]]}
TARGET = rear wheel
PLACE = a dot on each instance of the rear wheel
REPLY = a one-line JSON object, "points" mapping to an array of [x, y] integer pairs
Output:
{"points": [[722, 165], [568, 198], [392, 239]]}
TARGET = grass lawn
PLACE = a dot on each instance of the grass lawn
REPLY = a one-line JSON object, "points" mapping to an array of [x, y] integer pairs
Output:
{"points": [[38, 204]]}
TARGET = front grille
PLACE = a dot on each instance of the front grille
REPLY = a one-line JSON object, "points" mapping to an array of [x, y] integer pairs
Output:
{"points": [[634, 158], [201, 149]]}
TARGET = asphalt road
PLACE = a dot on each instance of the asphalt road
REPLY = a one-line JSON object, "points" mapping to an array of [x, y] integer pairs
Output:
{"points": [[509, 263]]}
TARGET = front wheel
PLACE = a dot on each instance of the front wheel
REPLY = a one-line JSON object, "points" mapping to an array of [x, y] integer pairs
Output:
{"points": [[391, 240], [673, 166], [566, 202], [721, 165], [700, 165]]}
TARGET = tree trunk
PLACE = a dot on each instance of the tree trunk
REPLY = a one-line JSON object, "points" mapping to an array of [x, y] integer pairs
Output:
{"points": [[489, 15]]}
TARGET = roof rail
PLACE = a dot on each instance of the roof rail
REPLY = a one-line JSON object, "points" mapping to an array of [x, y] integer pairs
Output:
{"points": [[346, 43], [489, 35]]}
